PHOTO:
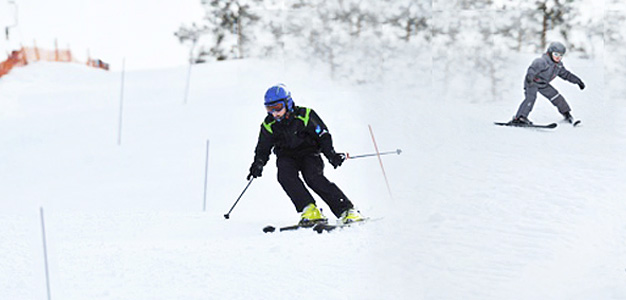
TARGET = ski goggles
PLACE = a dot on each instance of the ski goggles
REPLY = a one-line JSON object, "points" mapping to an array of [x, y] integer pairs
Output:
{"points": [[557, 54], [275, 107]]}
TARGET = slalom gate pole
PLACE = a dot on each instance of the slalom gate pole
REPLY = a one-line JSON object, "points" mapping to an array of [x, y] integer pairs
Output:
{"points": [[206, 175], [45, 251], [380, 161], [348, 156], [187, 84], [119, 132], [227, 215]]}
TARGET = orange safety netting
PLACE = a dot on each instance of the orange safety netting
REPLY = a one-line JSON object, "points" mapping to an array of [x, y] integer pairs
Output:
{"points": [[38, 54], [17, 58], [31, 54]]}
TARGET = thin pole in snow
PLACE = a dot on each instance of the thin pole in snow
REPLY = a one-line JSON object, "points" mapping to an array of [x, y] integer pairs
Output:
{"points": [[380, 161], [119, 133], [206, 173], [45, 251], [187, 84]]}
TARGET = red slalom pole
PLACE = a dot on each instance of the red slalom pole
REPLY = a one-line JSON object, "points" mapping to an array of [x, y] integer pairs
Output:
{"points": [[380, 161]]}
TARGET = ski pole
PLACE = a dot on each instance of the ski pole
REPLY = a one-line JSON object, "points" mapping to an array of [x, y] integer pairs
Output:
{"points": [[348, 156], [227, 215]]}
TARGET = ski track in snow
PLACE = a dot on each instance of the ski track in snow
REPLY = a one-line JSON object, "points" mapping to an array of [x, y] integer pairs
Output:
{"points": [[478, 211]]}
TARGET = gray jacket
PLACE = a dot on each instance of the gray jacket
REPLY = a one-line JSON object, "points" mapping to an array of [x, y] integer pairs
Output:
{"points": [[543, 70]]}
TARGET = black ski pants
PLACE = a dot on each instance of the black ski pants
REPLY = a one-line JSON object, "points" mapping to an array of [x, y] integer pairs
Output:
{"points": [[312, 169]]}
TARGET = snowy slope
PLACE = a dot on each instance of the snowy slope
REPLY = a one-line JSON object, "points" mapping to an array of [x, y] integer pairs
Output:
{"points": [[478, 211]]}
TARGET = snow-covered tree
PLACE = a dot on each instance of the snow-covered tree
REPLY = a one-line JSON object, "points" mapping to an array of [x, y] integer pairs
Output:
{"points": [[225, 33], [190, 35], [361, 39], [542, 20], [409, 18], [615, 47], [440, 5], [466, 53], [356, 38]]}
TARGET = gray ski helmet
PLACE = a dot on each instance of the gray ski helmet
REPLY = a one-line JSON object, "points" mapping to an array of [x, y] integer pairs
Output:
{"points": [[556, 47]]}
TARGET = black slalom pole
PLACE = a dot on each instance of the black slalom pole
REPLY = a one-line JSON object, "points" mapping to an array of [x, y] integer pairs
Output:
{"points": [[227, 215], [348, 156]]}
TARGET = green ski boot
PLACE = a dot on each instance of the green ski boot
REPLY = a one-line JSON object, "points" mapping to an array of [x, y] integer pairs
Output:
{"points": [[312, 215], [351, 215]]}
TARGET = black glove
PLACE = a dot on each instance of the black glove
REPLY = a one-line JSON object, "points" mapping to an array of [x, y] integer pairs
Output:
{"points": [[255, 170], [581, 84], [336, 159]]}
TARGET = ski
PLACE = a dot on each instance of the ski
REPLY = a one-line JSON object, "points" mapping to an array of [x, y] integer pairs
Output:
{"points": [[574, 123], [320, 228], [511, 124], [317, 227], [270, 228]]}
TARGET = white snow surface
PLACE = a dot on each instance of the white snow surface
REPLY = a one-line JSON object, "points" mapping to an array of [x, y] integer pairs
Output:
{"points": [[477, 211]]}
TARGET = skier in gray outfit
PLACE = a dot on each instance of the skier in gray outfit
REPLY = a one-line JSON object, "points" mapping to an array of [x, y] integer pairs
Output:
{"points": [[543, 70]]}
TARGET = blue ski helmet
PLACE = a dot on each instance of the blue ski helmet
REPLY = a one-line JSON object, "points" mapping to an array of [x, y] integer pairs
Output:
{"points": [[556, 47], [279, 93]]}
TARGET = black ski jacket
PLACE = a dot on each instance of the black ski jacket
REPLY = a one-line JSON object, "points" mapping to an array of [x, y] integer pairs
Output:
{"points": [[543, 70], [300, 133]]}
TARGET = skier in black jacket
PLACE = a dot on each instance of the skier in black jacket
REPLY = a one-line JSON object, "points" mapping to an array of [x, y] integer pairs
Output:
{"points": [[543, 70], [298, 136]]}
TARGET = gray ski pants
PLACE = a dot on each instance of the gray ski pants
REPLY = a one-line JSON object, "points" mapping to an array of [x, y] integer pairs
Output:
{"points": [[549, 92]]}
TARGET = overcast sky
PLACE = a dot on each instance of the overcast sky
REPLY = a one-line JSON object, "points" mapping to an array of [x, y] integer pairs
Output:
{"points": [[142, 31]]}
